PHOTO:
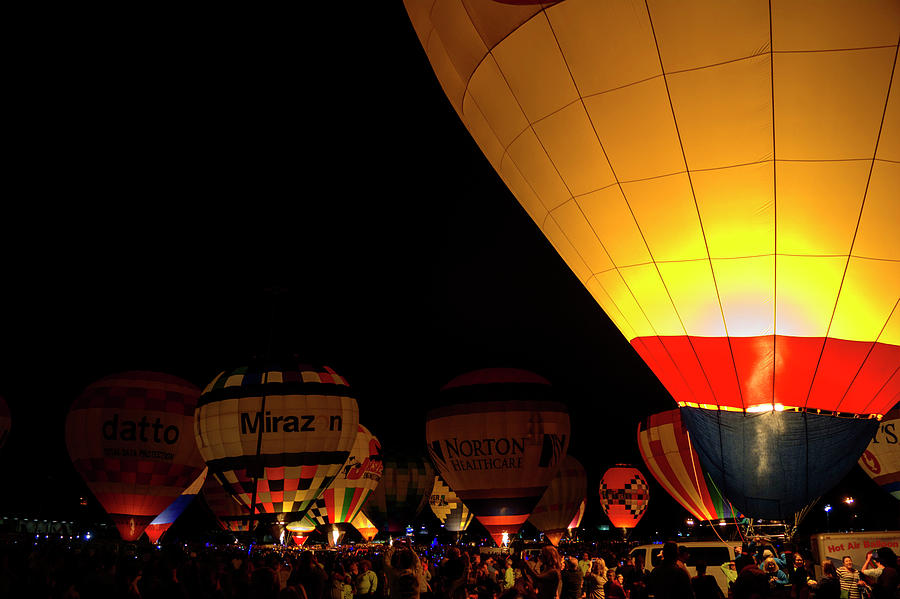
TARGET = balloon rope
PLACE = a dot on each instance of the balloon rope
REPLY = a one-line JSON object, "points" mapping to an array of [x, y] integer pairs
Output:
{"points": [[697, 480]]}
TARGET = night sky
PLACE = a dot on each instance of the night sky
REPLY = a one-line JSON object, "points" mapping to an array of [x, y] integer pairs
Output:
{"points": [[187, 191]]}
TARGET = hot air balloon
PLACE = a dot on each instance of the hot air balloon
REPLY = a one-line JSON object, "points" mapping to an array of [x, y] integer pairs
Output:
{"points": [[357, 479], [129, 436], [498, 443], [276, 434], [881, 459], [722, 179], [402, 493], [576, 521], [624, 495], [562, 501], [158, 527], [448, 507], [300, 530], [365, 527], [668, 453], [4, 421], [230, 513]]}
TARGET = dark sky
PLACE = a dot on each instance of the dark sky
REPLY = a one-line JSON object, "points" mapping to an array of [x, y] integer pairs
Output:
{"points": [[186, 189]]}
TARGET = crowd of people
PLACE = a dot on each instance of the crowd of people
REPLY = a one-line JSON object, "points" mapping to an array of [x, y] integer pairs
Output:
{"points": [[402, 571]]}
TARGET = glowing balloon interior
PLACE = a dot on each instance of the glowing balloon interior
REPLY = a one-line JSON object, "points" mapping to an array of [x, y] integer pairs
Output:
{"points": [[562, 501], [624, 495]]}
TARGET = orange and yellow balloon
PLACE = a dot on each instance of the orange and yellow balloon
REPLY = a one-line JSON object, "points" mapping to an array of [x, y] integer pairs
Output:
{"points": [[562, 502]]}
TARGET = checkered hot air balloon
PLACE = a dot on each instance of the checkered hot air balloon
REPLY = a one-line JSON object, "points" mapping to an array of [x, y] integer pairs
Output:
{"points": [[276, 434], [5, 421], [881, 460], [405, 484], [358, 477], [668, 453], [562, 501], [448, 507], [129, 436], [158, 527], [722, 178], [498, 441], [624, 495]]}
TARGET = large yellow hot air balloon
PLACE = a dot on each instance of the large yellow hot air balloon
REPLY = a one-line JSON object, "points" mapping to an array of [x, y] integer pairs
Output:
{"points": [[449, 508], [276, 434], [722, 178], [498, 442], [562, 501], [129, 436]]}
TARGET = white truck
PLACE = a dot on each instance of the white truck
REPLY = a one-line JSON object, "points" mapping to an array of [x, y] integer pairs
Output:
{"points": [[834, 546]]}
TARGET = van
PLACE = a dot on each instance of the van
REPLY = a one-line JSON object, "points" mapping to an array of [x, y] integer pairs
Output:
{"points": [[833, 546], [714, 553]]}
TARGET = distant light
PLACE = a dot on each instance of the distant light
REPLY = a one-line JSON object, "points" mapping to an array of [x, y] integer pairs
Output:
{"points": [[87, 536], [722, 523], [827, 507], [766, 407], [505, 538], [690, 522], [849, 500]]}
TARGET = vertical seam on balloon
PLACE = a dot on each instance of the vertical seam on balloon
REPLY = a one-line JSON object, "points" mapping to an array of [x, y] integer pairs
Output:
{"points": [[699, 220], [862, 207], [774, 211], [643, 238], [863, 363], [886, 383]]}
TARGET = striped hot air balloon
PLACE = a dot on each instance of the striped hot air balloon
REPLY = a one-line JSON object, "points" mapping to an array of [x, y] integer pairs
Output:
{"points": [[449, 508], [405, 483], [576, 521], [624, 495], [881, 460], [277, 434], [230, 513], [498, 442], [359, 476], [158, 527], [722, 178], [665, 445], [5, 421], [562, 501], [365, 527], [129, 436]]}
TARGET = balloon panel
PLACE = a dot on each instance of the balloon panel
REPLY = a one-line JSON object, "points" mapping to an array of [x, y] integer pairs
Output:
{"points": [[881, 460], [5, 421], [772, 464], [448, 507], [730, 208], [357, 479], [562, 500], [305, 435], [401, 495], [666, 447], [229, 512], [159, 525], [129, 436], [624, 495], [498, 443]]}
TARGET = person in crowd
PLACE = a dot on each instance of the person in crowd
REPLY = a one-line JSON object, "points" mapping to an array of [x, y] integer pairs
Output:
{"points": [[705, 585], [802, 578], [829, 586], [401, 562], [311, 575], [751, 582], [509, 574], [683, 556], [595, 580], [849, 577], [572, 580], [584, 564], [668, 580], [548, 580], [778, 580], [886, 585], [367, 581], [615, 587]]}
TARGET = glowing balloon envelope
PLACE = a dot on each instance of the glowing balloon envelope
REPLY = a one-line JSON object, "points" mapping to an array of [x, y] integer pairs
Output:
{"points": [[561, 501], [624, 495], [402, 493], [576, 521], [723, 182], [359, 476], [129, 436], [5, 421], [448, 507], [277, 434], [158, 527], [365, 527], [498, 442], [881, 460], [666, 447]]}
